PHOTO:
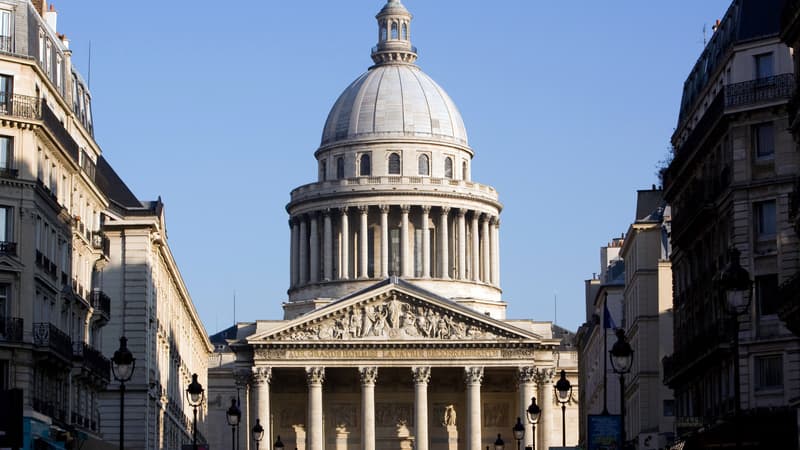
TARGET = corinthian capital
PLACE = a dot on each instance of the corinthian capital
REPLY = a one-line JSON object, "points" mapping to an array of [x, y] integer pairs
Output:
{"points": [[421, 374], [526, 374], [262, 375], [473, 375], [544, 376], [369, 375], [315, 375]]}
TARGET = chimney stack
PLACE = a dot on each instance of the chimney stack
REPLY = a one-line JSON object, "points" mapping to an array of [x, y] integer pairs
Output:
{"points": [[51, 18]]}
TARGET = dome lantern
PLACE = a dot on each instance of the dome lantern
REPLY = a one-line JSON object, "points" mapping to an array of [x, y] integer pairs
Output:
{"points": [[394, 35]]}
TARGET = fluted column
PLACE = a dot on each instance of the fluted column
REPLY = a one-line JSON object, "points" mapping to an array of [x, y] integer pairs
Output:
{"points": [[486, 249], [303, 251], [495, 232], [473, 376], [462, 245], [261, 379], [527, 390], [295, 275], [444, 252], [363, 254], [384, 241], [313, 243], [315, 377], [475, 273], [426, 243], [369, 376], [327, 246], [544, 378], [405, 254], [422, 376], [344, 266]]}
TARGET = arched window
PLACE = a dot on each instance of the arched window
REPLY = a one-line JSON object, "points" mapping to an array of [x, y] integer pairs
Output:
{"points": [[364, 166], [394, 30], [394, 164], [464, 171], [448, 167], [323, 166], [383, 32], [405, 32], [424, 165], [340, 168]]}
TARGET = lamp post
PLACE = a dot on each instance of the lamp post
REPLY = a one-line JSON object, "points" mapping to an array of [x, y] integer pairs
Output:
{"points": [[195, 393], [533, 412], [735, 281], [233, 415], [519, 431], [122, 365], [564, 391], [258, 432], [499, 444], [621, 355], [278, 445]]}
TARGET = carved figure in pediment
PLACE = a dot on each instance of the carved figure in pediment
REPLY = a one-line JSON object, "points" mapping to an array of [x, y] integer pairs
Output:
{"points": [[442, 330], [394, 312], [423, 326], [408, 326], [340, 328], [368, 320], [379, 323], [355, 323]]}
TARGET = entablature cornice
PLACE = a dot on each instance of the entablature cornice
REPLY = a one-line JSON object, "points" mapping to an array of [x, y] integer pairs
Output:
{"points": [[322, 201]]}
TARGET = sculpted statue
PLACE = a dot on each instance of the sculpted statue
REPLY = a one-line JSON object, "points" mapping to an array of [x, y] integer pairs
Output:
{"points": [[449, 416]]}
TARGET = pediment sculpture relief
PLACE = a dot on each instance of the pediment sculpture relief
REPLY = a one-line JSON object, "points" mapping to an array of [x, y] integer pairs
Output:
{"points": [[391, 318]]}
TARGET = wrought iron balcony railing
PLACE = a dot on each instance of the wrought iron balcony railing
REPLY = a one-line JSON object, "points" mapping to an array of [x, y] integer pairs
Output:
{"points": [[11, 329], [101, 302], [762, 90], [8, 248], [92, 359], [46, 334], [22, 106]]}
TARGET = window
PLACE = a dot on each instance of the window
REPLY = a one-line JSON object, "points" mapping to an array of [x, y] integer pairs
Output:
{"points": [[383, 32], [6, 154], [41, 48], [464, 171], [59, 73], [394, 164], [5, 31], [394, 251], [424, 165], [6, 92], [405, 32], [323, 169], [763, 63], [5, 224], [764, 140], [364, 166], [340, 167], [48, 59], [448, 167], [394, 30], [765, 219], [769, 372], [669, 408], [767, 294]]}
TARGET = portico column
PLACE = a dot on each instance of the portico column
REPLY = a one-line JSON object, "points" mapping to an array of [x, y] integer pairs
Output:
{"points": [[327, 246], [462, 245], [527, 390], [486, 249], [473, 376], [405, 255], [426, 243], [495, 237], [476, 249], [369, 376], [384, 241], [295, 247], [363, 256], [315, 377], [545, 381], [344, 267], [303, 251], [444, 252], [261, 379], [313, 243], [422, 375]]}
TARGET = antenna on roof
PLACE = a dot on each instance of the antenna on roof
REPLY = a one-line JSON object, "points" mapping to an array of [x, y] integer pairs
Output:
{"points": [[234, 307], [89, 71], [705, 39]]}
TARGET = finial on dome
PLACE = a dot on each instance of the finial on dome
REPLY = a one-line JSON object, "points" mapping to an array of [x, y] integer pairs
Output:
{"points": [[394, 35]]}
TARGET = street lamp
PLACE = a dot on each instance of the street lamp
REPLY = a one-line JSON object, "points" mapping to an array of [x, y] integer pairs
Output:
{"points": [[564, 391], [735, 280], [233, 415], [194, 393], [499, 444], [621, 355], [258, 432], [278, 445], [122, 365], [533, 412], [519, 431]]}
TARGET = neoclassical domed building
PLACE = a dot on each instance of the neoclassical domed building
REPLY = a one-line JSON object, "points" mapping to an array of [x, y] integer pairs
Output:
{"points": [[394, 334]]}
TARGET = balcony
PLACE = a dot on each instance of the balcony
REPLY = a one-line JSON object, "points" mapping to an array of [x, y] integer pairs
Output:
{"points": [[49, 336], [101, 302], [693, 357], [21, 106], [11, 329], [762, 90], [92, 360], [8, 248], [6, 172]]}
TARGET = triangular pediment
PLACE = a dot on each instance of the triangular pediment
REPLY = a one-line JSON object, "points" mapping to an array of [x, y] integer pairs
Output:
{"points": [[10, 264], [393, 310]]}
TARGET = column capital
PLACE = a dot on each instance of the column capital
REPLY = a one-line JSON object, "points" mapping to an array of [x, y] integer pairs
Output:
{"points": [[473, 375], [343, 210], [445, 210], [462, 212], [262, 375], [315, 375], [363, 209], [384, 209], [426, 209], [545, 376], [405, 208], [368, 375], [526, 374], [421, 375], [486, 217], [496, 221], [326, 212]]}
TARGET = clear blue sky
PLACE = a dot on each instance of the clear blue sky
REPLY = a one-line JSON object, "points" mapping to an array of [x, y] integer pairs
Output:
{"points": [[218, 107]]}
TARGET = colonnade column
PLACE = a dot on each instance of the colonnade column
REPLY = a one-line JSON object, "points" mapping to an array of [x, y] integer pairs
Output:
{"points": [[426, 243], [527, 390], [327, 246], [476, 249], [473, 376], [444, 252], [405, 255], [421, 375], [462, 245], [496, 251], [363, 254], [295, 257], [369, 376], [384, 241], [486, 249], [544, 377], [313, 243], [344, 267], [315, 377], [303, 251], [261, 379]]}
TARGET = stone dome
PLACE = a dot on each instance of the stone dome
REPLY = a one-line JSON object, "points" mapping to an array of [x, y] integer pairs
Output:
{"points": [[394, 100]]}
